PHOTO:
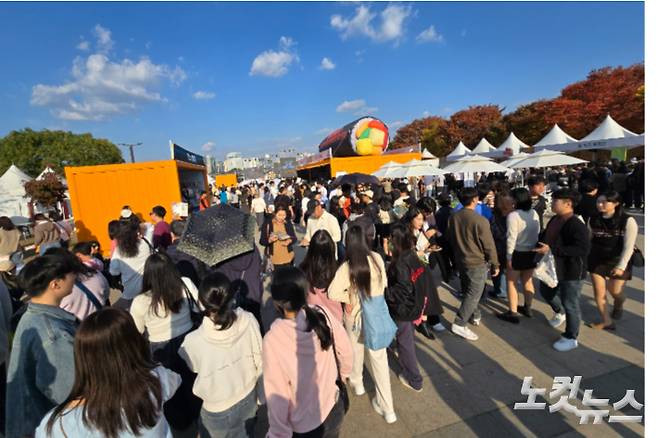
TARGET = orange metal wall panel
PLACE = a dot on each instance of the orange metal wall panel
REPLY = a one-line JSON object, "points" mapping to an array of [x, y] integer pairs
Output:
{"points": [[227, 180], [368, 164], [99, 192]]}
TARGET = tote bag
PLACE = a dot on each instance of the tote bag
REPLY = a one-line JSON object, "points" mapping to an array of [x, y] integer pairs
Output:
{"points": [[377, 325]]}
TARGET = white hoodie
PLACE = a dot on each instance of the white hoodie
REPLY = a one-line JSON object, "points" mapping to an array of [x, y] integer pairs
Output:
{"points": [[228, 362]]}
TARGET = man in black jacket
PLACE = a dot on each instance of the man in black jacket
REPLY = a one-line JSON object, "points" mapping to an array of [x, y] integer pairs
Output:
{"points": [[567, 237]]}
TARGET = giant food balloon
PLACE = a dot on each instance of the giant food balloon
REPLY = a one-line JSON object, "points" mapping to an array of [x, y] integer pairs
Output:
{"points": [[365, 136]]}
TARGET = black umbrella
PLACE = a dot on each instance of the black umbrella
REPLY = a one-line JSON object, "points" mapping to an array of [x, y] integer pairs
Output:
{"points": [[356, 178], [217, 234]]}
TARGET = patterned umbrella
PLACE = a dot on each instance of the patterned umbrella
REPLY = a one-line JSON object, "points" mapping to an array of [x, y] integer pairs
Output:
{"points": [[218, 233]]}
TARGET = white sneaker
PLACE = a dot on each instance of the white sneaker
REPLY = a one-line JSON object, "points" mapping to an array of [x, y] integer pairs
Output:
{"points": [[358, 388], [565, 344], [438, 327], [464, 332], [557, 320], [476, 321], [390, 417]]}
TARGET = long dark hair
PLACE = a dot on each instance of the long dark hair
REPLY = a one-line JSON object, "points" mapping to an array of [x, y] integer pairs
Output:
{"points": [[162, 279], [6, 223], [357, 252], [411, 214], [128, 238], [289, 288], [114, 377], [320, 263], [401, 241], [218, 298]]}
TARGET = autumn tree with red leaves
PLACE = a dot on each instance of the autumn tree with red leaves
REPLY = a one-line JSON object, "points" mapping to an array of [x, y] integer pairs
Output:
{"points": [[581, 106]]}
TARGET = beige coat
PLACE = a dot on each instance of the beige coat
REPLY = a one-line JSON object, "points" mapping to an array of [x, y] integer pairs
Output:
{"points": [[342, 290]]}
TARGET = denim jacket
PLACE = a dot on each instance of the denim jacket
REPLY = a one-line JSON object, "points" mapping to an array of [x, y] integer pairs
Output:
{"points": [[41, 368]]}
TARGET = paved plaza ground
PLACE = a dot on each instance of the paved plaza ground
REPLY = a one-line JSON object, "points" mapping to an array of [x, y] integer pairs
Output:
{"points": [[470, 387]]}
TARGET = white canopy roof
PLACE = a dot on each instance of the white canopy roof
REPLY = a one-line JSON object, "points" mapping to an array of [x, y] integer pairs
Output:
{"points": [[13, 180], [511, 146], [427, 155], [459, 151], [555, 136], [45, 172], [609, 128], [387, 169], [474, 163], [483, 147], [514, 159], [547, 158]]}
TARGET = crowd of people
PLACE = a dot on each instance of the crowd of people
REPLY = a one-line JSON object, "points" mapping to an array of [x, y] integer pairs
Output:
{"points": [[186, 344]]}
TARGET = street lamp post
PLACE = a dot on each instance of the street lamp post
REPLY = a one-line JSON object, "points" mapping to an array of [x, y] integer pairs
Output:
{"points": [[131, 146]]}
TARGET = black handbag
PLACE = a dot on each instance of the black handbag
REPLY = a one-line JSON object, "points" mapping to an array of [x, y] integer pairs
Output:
{"points": [[342, 387], [637, 259], [195, 316]]}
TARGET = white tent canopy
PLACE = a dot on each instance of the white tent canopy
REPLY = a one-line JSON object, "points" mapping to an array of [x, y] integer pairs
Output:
{"points": [[555, 136], [514, 159], [416, 170], [12, 195], [427, 155], [474, 163], [608, 135], [483, 147], [386, 170], [546, 158], [608, 128], [511, 146], [460, 151]]}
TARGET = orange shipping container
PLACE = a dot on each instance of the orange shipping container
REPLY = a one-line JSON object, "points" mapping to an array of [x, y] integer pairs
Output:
{"points": [[99, 192], [226, 180]]}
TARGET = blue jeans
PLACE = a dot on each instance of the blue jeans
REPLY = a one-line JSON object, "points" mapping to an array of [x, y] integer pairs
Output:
{"points": [[238, 421], [569, 300], [472, 280], [46, 246]]}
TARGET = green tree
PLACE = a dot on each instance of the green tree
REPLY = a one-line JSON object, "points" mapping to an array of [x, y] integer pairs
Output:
{"points": [[33, 150]]}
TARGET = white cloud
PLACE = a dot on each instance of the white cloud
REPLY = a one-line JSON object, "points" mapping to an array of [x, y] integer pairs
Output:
{"points": [[83, 45], [430, 35], [426, 113], [101, 87], [104, 41], [327, 64], [396, 124], [350, 105], [391, 23], [148, 45], [208, 147], [203, 95], [275, 63], [463, 34], [366, 110]]}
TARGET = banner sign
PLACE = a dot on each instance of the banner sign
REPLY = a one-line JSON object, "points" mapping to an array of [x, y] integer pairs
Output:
{"points": [[181, 154]]}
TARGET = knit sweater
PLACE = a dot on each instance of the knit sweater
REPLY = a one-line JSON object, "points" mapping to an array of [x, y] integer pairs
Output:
{"points": [[470, 238], [522, 231]]}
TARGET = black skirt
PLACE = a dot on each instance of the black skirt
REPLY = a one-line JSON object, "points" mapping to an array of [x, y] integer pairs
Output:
{"points": [[603, 267], [524, 260]]}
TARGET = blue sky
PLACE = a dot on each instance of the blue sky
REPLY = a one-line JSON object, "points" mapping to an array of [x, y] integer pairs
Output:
{"points": [[251, 77]]}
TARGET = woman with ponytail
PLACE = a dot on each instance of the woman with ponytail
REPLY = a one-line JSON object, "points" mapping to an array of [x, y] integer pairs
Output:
{"points": [[306, 354], [363, 274], [225, 353]]}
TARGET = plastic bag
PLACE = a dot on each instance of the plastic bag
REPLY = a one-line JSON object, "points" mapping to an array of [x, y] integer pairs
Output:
{"points": [[545, 271]]}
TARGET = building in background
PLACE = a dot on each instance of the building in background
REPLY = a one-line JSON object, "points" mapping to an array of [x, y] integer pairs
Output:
{"points": [[233, 161]]}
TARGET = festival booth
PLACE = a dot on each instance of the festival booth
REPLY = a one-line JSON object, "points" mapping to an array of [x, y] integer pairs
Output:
{"points": [[483, 147], [608, 136], [360, 146], [99, 192]]}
